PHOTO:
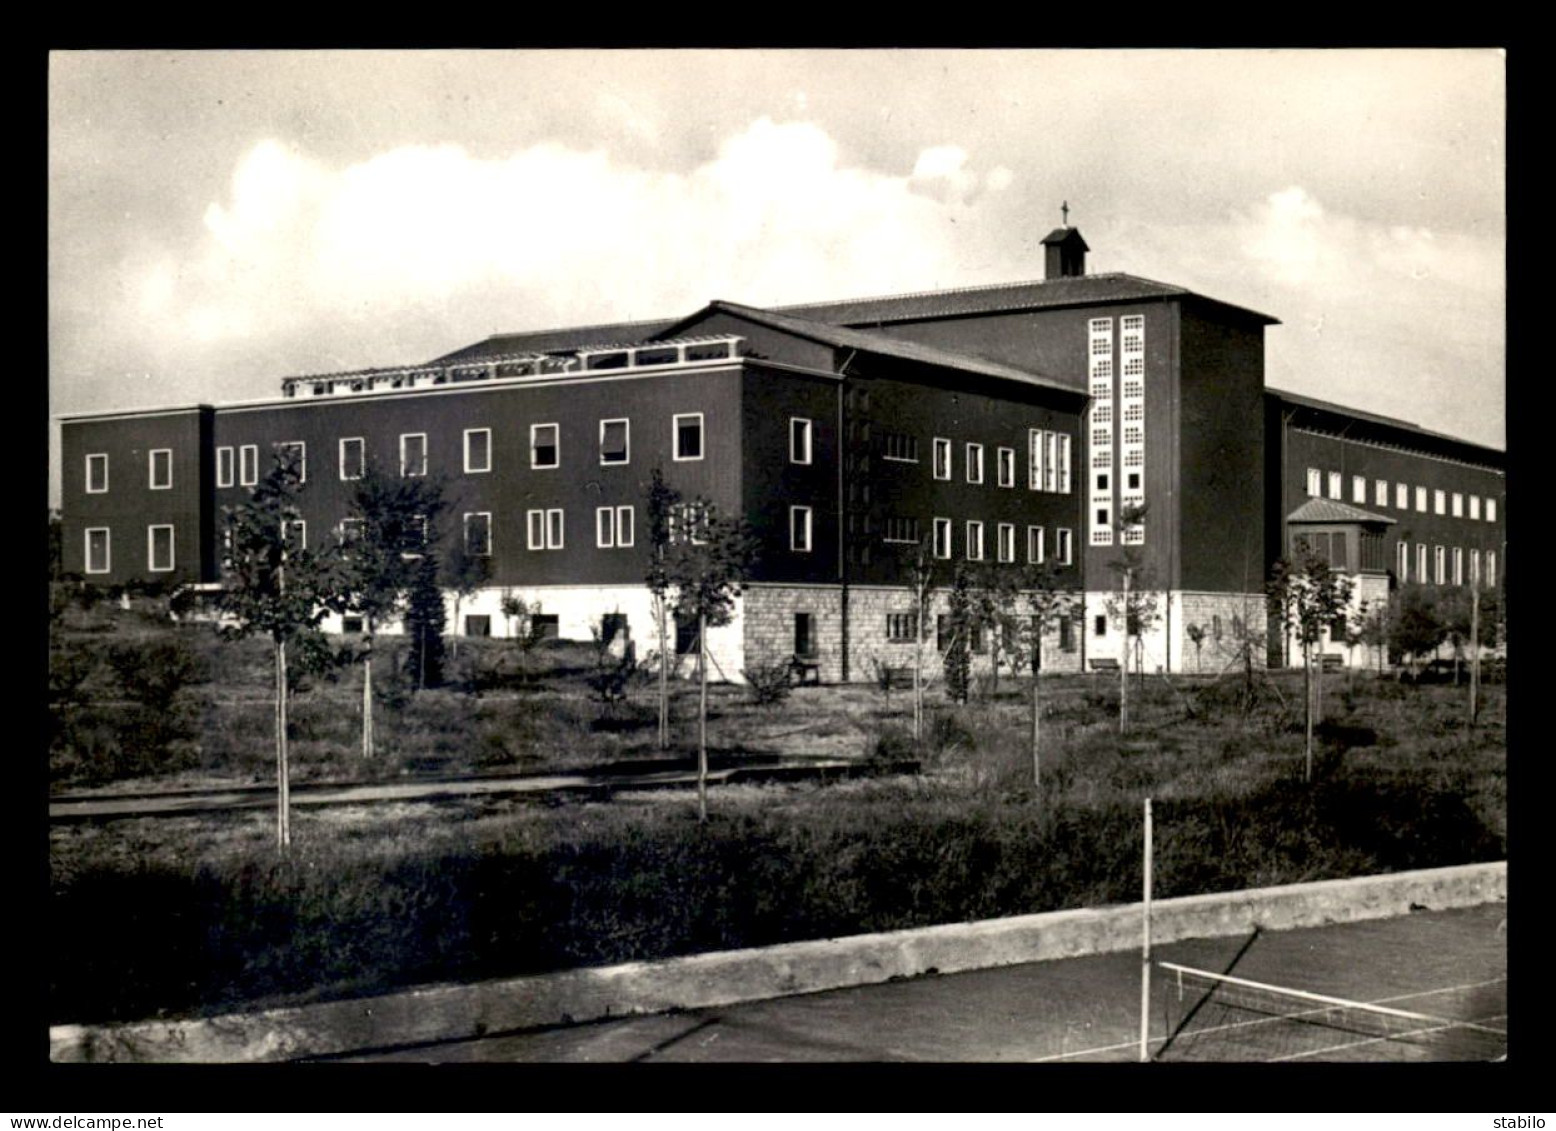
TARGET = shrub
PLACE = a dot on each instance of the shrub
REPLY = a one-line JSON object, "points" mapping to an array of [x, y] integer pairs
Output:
{"points": [[767, 683], [152, 674]]}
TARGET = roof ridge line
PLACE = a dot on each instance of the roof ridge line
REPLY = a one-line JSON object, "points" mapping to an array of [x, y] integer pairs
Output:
{"points": [[963, 290]]}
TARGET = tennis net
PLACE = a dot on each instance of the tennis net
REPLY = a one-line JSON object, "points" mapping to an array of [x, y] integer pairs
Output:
{"points": [[1219, 1017]]}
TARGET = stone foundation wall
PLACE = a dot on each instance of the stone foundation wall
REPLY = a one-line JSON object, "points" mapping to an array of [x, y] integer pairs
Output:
{"points": [[768, 631], [1225, 617]]}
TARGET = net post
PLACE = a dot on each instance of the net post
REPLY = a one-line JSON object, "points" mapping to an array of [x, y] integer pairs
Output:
{"points": [[1145, 948]]}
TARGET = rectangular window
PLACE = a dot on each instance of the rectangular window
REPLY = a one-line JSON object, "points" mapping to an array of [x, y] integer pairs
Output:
{"points": [[1421, 499], [1358, 489], [226, 467], [799, 440], [294, 534], [900, 529], [1035, 448], [248, 465], [942, 458], [1439, 501], [605, 527], [351, 531], [1458, 565], [1007, 542], [295, 453], [974, 541], [1035, 545], [159, 549], [1380, 493], [624, 528], [1402, 561], [478, 624], [688, 436], [478, 450], [1458, 504], [1401, 497], [1334, 484], [478, 534], [686, 523], [975, 463], [1051, 461], [545, 446], [898, 446], [899, 628], [1491, 568], [942, 632], [161, 469], [413, 455], [1007, 467], [1315, 482], [352, 457], [615, 441], [1421, 574], [1062, 547], [548, 626], [1064, 464], [1440, 565], [942, 537], [1099, 625], [1491, 510], [97, 555], [799, 529], [1475, 506], [1474, 567], [97, 473], [805, 635], [535, 524], [554, 529]]}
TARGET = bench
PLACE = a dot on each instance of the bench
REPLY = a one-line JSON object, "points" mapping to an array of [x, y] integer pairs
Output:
{"points": [[897, 677], [1103, 665], [805, 669], [1331, 662]]}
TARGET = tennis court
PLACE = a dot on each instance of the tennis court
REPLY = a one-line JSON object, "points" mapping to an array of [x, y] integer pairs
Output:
{"points": [[1437, 966]]}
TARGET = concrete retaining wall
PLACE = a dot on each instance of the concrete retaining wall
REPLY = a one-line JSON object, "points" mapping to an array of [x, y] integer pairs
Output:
{"points": [[451, 1012]]}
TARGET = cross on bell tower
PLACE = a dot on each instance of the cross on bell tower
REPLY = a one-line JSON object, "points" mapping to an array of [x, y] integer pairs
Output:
{"points": [[1064, 210]]}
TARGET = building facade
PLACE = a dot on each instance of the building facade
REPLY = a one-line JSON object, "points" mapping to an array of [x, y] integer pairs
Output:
{"points": [[1078, 422]]}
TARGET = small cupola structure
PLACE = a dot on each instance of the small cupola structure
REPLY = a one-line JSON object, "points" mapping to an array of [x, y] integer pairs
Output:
{"points": [[1064, 251]]}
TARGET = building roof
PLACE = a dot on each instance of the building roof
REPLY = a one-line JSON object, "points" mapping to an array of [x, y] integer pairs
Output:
{"points": [[1332, 510], [840, 337], [1060, 235], [546, 341], [1075, 290], [1390, 422]]}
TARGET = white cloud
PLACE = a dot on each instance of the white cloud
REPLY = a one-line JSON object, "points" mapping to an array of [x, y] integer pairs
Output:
{"points": [[298, 252]]}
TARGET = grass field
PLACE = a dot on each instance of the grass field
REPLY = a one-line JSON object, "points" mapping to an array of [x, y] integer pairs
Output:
{"points": [[206, 916]]}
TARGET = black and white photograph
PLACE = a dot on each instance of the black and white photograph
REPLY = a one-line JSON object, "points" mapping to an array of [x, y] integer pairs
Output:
{"points": [[777, 556]]}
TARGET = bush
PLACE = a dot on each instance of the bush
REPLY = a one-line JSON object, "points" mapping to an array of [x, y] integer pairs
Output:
{"points": [[153, 674], [768, 683]]}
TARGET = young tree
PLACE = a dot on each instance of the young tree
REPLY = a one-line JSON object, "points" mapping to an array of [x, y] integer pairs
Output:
{"points": [[662, 503], [922, 580], [994, 604], [425, 620], [1196, 634], [275, 586], [961, 620], [1133, 607], [387, 532], [706, 563], [1416, 626], [522, 629], [1369, 628], [1048, 602], [463, 574], [1310, 596]]}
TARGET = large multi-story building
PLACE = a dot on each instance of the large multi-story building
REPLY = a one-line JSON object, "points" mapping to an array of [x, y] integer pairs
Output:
{"points": [[1007, 425]]}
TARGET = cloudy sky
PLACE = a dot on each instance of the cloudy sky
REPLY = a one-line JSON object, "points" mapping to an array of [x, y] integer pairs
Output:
{"points": [[219, 220]]}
